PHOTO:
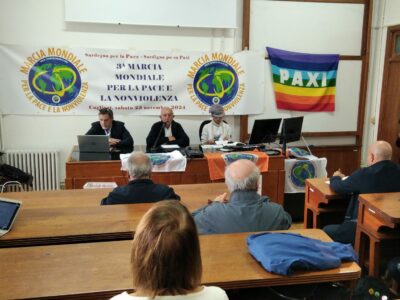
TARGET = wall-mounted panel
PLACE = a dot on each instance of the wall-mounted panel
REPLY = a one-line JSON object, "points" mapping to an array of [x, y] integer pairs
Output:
{"points": [[306, 26], [182, 13]]}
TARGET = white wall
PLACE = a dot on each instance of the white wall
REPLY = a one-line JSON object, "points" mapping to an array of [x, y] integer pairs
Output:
{"points": [[41, 23], [386, 13]]}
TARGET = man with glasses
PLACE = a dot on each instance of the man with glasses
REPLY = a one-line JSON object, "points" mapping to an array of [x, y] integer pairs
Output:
{"points": [[119, 137], [166, 131]]}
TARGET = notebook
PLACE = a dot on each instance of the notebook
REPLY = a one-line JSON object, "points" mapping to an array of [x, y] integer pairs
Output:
{"points": [[8, 212], [93, 143]]}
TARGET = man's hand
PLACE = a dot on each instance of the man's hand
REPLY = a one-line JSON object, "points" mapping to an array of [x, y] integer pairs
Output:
{"points": [[221, 198], [113, 142], [171, 138], [339, 173]]}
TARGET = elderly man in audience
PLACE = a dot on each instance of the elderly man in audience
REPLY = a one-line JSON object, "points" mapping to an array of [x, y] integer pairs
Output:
{"points": [[382, 175], [140, 188], [245, 210]]}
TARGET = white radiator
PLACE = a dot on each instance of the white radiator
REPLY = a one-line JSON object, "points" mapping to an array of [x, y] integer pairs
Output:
{"points": [[43, 165]]}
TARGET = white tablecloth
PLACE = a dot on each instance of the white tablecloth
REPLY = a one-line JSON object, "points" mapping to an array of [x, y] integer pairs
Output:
{"points": [[297, 171], [162, 162]]}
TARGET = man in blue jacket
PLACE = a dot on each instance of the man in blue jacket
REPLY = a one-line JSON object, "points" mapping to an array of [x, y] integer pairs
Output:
{"points": [[140, 188], [245, 210], [381, 176], [119, 137]]}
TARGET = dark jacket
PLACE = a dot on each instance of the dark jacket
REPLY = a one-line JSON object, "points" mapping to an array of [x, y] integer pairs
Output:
{"points": [[381, 177], [118, 131], [140, 191], [177, 131]]}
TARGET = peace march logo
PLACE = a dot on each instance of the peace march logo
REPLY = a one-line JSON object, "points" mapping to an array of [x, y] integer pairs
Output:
{"points": [[215, 81], [54, 82]]}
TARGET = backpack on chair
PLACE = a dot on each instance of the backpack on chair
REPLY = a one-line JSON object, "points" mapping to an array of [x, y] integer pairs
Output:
{"points": [[371, 288]]}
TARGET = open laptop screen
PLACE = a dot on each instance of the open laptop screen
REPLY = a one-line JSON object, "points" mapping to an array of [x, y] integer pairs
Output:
{"points": [[93, 143], [8, 212]]}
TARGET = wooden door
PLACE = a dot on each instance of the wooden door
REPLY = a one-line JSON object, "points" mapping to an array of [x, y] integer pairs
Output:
{"points": [[389, 117]]}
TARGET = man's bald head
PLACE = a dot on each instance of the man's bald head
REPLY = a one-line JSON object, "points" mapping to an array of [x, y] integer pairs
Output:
{"points": [[379, 151], [242, 174]]}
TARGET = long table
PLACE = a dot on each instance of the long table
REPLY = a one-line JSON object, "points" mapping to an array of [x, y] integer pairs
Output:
{"points": [[71, 216], [80, 172], [101, 270]]}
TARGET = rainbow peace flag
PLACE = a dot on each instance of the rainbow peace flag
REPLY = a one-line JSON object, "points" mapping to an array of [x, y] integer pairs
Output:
{"points": [[304, 82]]}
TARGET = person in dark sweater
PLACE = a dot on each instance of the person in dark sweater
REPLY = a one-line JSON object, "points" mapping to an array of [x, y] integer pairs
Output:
{"points": [[166, 131], [140, 189], [381, 176], [119, 137]]}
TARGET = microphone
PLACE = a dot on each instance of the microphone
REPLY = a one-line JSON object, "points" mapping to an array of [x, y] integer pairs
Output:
{"points": [[154, 148]]}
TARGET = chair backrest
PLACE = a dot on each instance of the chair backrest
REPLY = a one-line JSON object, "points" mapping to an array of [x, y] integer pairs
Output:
{"points": [[202, 126]]}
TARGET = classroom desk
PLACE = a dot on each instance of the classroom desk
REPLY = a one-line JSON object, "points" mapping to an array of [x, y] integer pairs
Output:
{"points": [[101, 270], [378, 220], [80, 172], [320, 199], [190, 193], [57, 217]]}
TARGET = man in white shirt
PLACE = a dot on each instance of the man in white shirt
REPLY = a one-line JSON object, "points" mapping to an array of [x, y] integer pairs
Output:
{"points": [[217, 129]]}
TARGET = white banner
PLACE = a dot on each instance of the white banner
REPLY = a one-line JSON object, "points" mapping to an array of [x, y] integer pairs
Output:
{"points": [[78, 81]]}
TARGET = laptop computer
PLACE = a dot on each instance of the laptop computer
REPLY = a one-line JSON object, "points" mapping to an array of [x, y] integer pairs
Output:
{"points": [[93, 143], [8, 212]]}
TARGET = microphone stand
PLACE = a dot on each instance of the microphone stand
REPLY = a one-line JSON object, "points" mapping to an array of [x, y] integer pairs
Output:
{"points": [[154, 148]]}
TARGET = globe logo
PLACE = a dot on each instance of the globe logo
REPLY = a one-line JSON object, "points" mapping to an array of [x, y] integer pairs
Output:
{"points": [[232, 157], [216, 82], [301, 171], [54, 81], [158, 159]]}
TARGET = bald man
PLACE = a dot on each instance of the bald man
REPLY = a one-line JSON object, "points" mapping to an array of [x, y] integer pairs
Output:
{"points": [[245, 210], [382, 175], [140, 188], [166, 131]]}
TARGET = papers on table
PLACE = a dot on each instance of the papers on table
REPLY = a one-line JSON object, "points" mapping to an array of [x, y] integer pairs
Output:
{"points": [[344, 178], [100, 185], [171, 146]]}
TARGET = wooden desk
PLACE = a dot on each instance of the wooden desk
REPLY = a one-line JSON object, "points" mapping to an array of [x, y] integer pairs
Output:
{"points": [[190, 193], [57, 217], [101, 270], [378, 220], [320, 199], [80, 172]]}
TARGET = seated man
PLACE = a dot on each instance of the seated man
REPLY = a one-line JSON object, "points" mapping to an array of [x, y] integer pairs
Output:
{"points": [[382, 175], [119, 136], [245, 210], [166, 131], [217, 129], [140, 188]]}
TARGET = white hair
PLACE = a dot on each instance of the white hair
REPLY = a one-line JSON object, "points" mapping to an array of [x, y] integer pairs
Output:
{"points": [[249, 183], [139, 165]]}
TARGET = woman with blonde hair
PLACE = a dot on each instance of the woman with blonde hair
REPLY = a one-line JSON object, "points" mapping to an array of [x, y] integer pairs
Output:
{"points": [[165, 258]]}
